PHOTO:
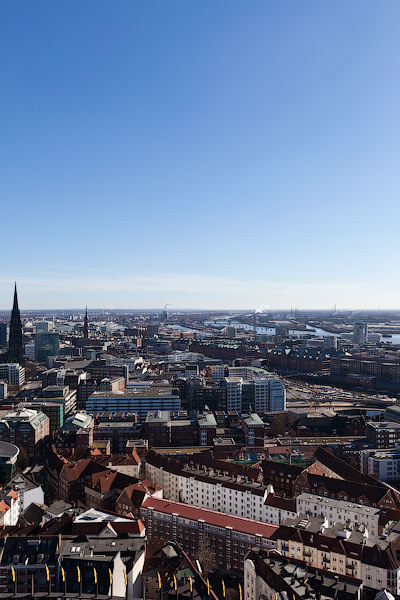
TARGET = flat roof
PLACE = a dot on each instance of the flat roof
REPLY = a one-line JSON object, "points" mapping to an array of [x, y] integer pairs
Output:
{"points": [[151, 392]]}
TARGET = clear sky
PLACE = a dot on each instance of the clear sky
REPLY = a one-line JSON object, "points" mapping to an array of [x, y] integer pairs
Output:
{"points": [[205, 153]]}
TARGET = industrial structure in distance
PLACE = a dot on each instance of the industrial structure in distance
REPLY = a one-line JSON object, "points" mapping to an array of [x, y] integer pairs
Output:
{"points": [[199, 455]]}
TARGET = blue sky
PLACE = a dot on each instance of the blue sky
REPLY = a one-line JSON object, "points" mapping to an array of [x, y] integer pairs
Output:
{"points": [[207, 154]]}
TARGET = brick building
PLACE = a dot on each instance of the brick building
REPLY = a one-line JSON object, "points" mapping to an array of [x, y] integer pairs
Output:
{"points": [[225, 538], [26, 429]]}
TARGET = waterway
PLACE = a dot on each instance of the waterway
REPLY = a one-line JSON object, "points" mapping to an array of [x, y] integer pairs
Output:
{"points": [[182, 328], [314, 331]]}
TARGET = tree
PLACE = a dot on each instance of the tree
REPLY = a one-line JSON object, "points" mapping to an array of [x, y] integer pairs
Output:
{"points": [[281, 423], [22, 460], [206, 556]]}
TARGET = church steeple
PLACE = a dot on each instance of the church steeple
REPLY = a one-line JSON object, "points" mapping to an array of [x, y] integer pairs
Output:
{"points": [[15, 349], [86, 326], [15, 308]]}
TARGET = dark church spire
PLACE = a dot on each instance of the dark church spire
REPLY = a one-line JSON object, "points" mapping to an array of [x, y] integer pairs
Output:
{"points": [[15, 349], [86, 325], [15, 305]]}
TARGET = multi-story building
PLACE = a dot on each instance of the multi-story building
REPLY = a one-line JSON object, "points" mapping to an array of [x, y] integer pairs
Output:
{"points": [[225, 538], [213, 484], [132, 497], [105, 487], [44, 326], [109, 567], [33, 560], [233, 386], [367, 371], [207, 426], [54, 410], [383, 434], [276, 395], [46, 344], [74, 477], [266, 577], [383, 464], [261, 395], [281, 476], [26, 429], [118, 430], [392, 413], [254, 429], [13, 373], [8, 461], [138, 401], [301, 359], [339, 511], [61, 394], [217, 372], [343, 550], [29, 351], [360, 333], [379, 495], [76, 432], [200, 395], [28, 491], [3, 390], [258, 394], [90, 384], [100, 369]]}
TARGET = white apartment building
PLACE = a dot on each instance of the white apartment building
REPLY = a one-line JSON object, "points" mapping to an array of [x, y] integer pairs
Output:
{"points": [[339, 511], [269, 392], [13, 373], [27, 490], [234, 393], [345, 552], [385, 464], [217, 492], [261, 395]]}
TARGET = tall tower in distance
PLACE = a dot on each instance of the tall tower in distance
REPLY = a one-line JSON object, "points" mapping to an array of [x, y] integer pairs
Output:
{"points": [[86, 326], [360, 333], [15, 353]]}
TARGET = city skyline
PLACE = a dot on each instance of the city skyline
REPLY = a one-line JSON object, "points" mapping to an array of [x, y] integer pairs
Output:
{"points": [[73, 294], [206, 155], [77, 294]]}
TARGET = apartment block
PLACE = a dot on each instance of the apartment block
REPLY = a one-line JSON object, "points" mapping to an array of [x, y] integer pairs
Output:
{"points": [[226, 538]]}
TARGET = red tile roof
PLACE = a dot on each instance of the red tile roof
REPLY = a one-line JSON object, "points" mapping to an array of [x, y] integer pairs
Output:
{"points": [[211, 517]]}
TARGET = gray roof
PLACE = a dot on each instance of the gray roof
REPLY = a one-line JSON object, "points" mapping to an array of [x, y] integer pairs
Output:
{"points": [[207, 420], [8, 450]]}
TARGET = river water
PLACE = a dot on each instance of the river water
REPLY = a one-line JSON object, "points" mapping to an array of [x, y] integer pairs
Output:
{"points": [[314, 331]]}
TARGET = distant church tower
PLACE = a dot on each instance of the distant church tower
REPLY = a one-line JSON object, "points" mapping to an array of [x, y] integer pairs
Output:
{"points": [[15, 352], [86, 326]]}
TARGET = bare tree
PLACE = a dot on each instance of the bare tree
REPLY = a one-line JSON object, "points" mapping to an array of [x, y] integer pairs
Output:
{"points": [[206, 556]]}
